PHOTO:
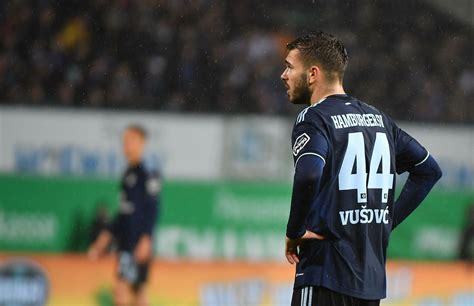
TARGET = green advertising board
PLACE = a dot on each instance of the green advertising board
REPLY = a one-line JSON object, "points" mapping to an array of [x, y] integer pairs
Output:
{"points": [[200, 220]]}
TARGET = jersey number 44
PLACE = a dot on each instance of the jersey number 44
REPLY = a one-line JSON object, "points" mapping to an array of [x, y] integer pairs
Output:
{"points": [[357, 178]]}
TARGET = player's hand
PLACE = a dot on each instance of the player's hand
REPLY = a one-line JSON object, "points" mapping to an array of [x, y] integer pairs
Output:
{"points": [[98, 248], [291, 250], [143, 250], [291, 247]]}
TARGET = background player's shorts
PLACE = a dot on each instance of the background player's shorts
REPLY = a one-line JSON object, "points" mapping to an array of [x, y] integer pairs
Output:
{"points": [[132, 272], [318, 296]]}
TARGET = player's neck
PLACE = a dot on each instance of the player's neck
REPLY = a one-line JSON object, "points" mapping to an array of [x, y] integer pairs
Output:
{"points": [[320, 93], [134, 163]]}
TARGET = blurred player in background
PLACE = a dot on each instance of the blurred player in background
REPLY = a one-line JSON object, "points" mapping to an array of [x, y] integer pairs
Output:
{"points": [[346, 153], [133, 226], [466, 240]]}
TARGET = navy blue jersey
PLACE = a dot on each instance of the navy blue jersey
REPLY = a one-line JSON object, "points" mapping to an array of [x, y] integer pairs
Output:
{"points": [[139, 201], [354, 203]]}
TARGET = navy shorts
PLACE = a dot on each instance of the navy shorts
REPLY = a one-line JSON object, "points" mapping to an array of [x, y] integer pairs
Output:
{"points": [[320, 296], [132, 272]]}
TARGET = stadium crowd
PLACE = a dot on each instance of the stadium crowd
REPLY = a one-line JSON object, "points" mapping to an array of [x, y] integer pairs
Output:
{"points": [[226, 56]]}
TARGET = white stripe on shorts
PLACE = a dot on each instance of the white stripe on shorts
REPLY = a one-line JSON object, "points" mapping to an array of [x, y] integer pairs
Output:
{"points": [[310, 297], [303, 297], [307, 296]]}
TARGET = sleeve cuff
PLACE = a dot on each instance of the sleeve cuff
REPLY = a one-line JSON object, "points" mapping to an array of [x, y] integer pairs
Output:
{"points": [[295, 234]]}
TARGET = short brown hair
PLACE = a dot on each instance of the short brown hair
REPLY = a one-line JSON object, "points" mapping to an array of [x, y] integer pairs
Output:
{"points": [[138, 129], [324, 49]]}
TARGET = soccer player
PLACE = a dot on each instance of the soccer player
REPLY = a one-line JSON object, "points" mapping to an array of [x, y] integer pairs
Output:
{"points": [[133, 226], [346, 153]]}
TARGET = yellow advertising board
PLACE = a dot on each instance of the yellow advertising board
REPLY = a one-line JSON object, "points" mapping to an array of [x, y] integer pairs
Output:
{"points": [[76, 281]]}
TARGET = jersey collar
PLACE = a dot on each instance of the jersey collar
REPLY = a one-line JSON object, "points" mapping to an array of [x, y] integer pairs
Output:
{"points": [[336, 96], [317, 103], [339, 96]]}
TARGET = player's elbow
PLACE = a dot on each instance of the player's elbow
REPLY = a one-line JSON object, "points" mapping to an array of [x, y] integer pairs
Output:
{"points": [[436, 172], [429, 171]]}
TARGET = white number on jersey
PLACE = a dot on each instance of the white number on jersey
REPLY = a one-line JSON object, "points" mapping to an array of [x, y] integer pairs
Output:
{"points": [[355, 153]]}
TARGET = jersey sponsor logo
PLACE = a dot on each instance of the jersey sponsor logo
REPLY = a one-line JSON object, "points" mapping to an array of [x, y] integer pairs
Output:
{"points": [[364, 216], [350, 120], [300, 142]]}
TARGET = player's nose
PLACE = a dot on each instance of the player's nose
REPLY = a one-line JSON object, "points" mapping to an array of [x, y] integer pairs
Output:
{"points": [[284, 75]]}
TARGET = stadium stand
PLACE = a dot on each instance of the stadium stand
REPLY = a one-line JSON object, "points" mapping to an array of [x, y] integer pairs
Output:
{"points": [[203, 56]]}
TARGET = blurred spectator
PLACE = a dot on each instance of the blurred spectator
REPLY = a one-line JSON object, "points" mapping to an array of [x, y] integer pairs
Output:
{"points": [[226, 56], [466, 246]]}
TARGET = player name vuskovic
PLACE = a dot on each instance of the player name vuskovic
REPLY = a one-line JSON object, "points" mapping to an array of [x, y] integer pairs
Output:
{"points": [[364, 215], [350, 120]]}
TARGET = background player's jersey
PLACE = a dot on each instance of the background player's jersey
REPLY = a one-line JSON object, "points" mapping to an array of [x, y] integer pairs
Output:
{"points": [[138, 207], [353, 207]]}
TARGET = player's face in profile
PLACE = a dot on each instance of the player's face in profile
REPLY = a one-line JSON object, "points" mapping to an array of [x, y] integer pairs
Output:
{"points": [[133, 145], [295, 79]]}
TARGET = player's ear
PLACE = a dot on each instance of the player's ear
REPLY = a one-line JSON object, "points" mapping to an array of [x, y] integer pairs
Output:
{"points": [[314, 74]]}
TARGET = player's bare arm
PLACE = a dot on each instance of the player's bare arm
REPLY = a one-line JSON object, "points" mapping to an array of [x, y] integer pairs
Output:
{"points": [[97, 249]]}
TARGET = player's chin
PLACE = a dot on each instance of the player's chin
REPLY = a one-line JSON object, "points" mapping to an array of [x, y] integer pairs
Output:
{"points": [[291, 98], [296, 101]]}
